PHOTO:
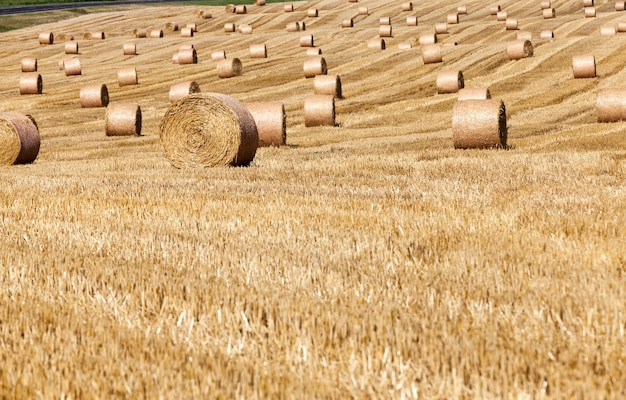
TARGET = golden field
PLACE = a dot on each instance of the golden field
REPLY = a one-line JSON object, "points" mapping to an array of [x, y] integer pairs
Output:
{"points": [[366, 260]]}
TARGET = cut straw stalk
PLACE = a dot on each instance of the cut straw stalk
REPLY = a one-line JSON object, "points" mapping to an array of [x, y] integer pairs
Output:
{"points": [[449, 82], [19, 138], [127, 76], [376, 43], [549, 13], [31, 83], [431, 53], [180, 90], [327, 85], [411, 20], [519, 49], [46, 38], [258, 51], [319, 110], [129, 49], [123, 119], [94, 95], [72, 66], [207, 130], [474, 94], [479, 124], [229, 67], [29, 64], [611, 105], [584, 66], [271, 122], [314, 65]]}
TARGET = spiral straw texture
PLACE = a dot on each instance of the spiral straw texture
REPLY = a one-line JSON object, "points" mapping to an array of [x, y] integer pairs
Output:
{"points": [[19, 138]]}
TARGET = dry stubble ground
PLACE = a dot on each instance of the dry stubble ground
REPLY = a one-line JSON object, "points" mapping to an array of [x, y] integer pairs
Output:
{"points": [[366, 260]]}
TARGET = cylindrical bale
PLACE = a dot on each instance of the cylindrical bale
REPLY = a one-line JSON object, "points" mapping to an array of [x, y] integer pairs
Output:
{"points": [[524, 35], [241, 9], [271, 122], [187, 56], [511, 24], [611, 105], [431, 53], [327, 84], [288, 7], [123, 119], [94, 95], [405, 45], [156, 33], [584, 66], [229, 27], [208, 130], [62, 62], [65, 36], [549, 13], [411, 20], [407, 6], [441, 28], [319, 110], [218, 55], [452, 18], [19, 138], [427, 38], [302, 26], [180, 90], [462, 9], [385, 31], [546, 4], [474, 94], [229, 67], [347, 23], [31, 83], [258, 51], [230, 8], [312, 13], [621, 27], [245, 29], [130, 49], [205, 14], [186, 32], [620, 6], [293, 27], [519, 49], [71, 48], [384, 21], [363, 11], [606, 30], [171, 26], [72, 66], [588, 3], [313, 51], [128, 76], [314, 65], [546, 34], [502, 16], [449, 81], [94, 35], [46, 38], [479, 124], [140, 32], [29, 64], [590, 12], [494, 10], [307, 41], [376, 43], [259, 3]]}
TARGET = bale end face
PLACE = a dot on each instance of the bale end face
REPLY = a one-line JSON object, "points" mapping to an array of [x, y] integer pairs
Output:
{"points": [[19, 138], [479, 124]]}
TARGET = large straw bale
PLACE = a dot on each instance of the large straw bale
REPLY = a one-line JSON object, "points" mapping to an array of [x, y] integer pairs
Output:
{"points": [[19, 138], [452, 18], [427, 38], [474, 94], [376, 43], [608, 30], [479, 124], [312, 13], [385, 31], [546, 34], [584, 66], [546, 4], [229, 67], [187, 56], [407, 6], [384, 21], [127, 76], [319, 110], [328, 85], [140, 32], [449, 81], [180, 90], [186, 32], [611, 105], [431, 53], [620, 6], [123, 119], [590, 12], [94, 95], [494, 10], [549, 13], [293, 26], [71, 48], [519, 49], [229, 27], [171, 26], [347, 23], [271, 122], [241, 9], [588, 3], [288, 7], [441, 28], [156, 33], [31, 83], [258, 51], [46, 38], [411, 20], [313, 51], [72, 67], [524, 35], [502, 16], [129, 49], [461, 9], [314, 65], [511, 24], [307, 41], [363, 11], [29, 64]]}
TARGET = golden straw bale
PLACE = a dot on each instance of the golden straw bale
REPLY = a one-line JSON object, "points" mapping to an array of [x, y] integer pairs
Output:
{"points": [[407, 6], [229, 67], [314, 65], [549, 13], [19, 138], [62, 62], [546, 34], [208, 130], [452, 18], [620, 6], [462, 9], [590, 12], [502, 16], [94, 36], [385, 31], [546, 4], [29, 64], [180, 90], [474, 94], [259, 3], [405, 45], [186, 32], [312, 13], [347, 23], [519, 49], [511, 24], [230, 8], [156, 33], [327, 84], [584, 66], [384, 21], [127, 76], [363, 11], [123, 119], [205, 14], [611, 105], [271, 122], [288, 7], [588, 3], [94, 95], [411, 20], [31, 83], [313, 51], [376, 43], [524, 35], [65, 36], [319, 110], [621, 27], [607, 30], [258, 51], [72, 66], [71, 48], [229, 27], [427, 38], [293, 27], [187, 56], [494, 10], [441, 28], [46, 38], [479, 124], [129, 49], [218, 55], [241, 9], [431, 53], [449, 81], [245, 29], [307, 41], [140, 33], [171, 26]]}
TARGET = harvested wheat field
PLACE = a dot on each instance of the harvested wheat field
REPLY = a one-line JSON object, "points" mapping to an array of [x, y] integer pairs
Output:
{"points": [[370, 259]]}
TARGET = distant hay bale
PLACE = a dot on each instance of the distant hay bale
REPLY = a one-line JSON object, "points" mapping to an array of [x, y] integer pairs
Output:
{"points": [[376, 43], [71, 48], [156, 33], [218, 55], [462, 9], [590, 12], [229, 27], [427, 38], [127, 76], [313, 51], [546, 4], [307, 41], [621, 27], [606, 30], [241, 9], [479, 124], [584, 66], [65, 36], [31, 83], [314, 65], [302, 26], [293, 27], [180, 90], [288, 7], [230, 8], [502, 16], [271, 122], [452, 18], [312, 13], [384, 21], [19, 138], [187, 56], [29, 64], [258, 51], [620, 6], [46, 38], [385, 31], [229, 67], [62, 62], [524, 35], [129, 49], [208, 130], [328, 85], [186, 32], [245, 29], [319, 110], [611, 105], [588, 3], [441, 28], [72, 66], [205, 14], [140, 32], [175, 58], [171, 26], [347, 23], [407, 6], [519, 49], [546, 34], [449, 81], [494, 10], [94, 95], [474, 94], [431, 53], [94, 36], [411, 20], [123, 119], [511, 24], [363, 11], [549, 13], [259, 3], [405, 45]]}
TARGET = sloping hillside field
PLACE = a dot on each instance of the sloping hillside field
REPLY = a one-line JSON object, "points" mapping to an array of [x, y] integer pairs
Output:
{"points": [[370, 259]]}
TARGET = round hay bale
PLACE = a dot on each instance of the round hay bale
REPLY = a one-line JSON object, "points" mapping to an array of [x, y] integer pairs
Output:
{"points": [[314, 65], [474, 94], [584, 66], [62, 62], [452, 18], [140, 32], [218, 55], [511, 24], [502, 16], [29, 64], [479, 124], [549, 13], [46, 38], [293, 27], [405, 46], [611, 105], [271, 122], [494, 10], [123, 119], [319, 110], [180, 90], [245, 29], [384, 21], [72, 66], [19, 138], [546, 4], [241, 9], [588, 3], [620, 6], [441, 28], [407, 6], [229, 67], [590, 12], [546, 34], [462, 10], [347, 23], [621, 27], [385, 31], [129, 49], [363, 11], [205, 14], [606, 30], [127, 76], [187, 56], [431, 53], [229, 27], [288, 7], [427, 38], [312, 13], [31, 83], [524, 35], [186, 32], [95, 35], [328, 85], [229, 9], [307, 41], [71, 48], [65, 36], [449, 81], [411, 20], [519, 49], [259, 3], [313, 51], [376, 44], [94, 95], [156, 33], [171, 26], [258, 51], [208, 130]]}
